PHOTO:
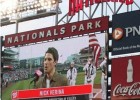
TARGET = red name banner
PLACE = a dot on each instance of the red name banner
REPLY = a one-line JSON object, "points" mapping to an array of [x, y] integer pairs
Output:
{"points": [[51, 92], [77, 5], [56, 32]]}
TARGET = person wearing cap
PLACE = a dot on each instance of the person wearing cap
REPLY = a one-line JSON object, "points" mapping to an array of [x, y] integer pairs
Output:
{"points": [[90, 74], [51, 77], [72, 74], [103, 67]]}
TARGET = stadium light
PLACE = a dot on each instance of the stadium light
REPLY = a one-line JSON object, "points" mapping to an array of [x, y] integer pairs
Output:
{"points": [[24, 10], [7, 6]]}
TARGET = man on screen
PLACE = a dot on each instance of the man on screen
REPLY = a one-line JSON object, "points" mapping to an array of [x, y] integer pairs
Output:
{"points": [[51, 77]]}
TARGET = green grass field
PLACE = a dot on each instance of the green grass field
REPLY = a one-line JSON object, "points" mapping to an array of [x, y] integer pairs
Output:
{"points": [[21, 85], [81, 77]]}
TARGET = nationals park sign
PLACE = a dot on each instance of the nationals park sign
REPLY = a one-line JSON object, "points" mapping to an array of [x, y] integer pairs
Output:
{"points": [[56, 32]]}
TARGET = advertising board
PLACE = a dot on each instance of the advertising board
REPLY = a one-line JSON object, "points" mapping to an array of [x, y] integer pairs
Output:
{"points": [[125, 81], [126, 33], [59, 31]]}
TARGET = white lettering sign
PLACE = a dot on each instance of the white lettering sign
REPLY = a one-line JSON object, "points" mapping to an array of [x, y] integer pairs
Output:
{"points": [[132, 30], [132, 90]]}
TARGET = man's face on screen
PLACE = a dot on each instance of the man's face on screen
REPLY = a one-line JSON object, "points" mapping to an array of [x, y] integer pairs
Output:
{"points": [[49, 63]]}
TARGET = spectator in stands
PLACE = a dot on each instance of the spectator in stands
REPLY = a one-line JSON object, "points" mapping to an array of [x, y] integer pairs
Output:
{"points": [[51, 77], [72, 74]]}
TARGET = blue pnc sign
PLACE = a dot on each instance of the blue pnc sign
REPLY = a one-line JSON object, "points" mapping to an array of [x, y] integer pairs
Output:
{"points": [[126, 33]]}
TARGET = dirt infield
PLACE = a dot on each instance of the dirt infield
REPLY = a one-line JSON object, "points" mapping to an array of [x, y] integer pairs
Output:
{"points": [[97, 92], [97, 86]]}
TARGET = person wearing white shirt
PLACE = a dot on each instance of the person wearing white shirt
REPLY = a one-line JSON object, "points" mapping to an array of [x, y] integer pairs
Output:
{"points": [[103, 78], [90, 74], [72, 74]]}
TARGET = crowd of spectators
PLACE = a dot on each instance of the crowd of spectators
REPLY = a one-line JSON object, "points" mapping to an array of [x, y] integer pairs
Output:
{"points": [[16, 75]]}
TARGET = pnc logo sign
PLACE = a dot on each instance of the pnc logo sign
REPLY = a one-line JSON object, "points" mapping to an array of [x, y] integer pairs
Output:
{"points": [[133, 31], [118, 33]]}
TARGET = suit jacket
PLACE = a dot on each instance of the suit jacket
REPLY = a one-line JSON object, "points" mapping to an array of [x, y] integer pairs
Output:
{"points": [[57, 80]]}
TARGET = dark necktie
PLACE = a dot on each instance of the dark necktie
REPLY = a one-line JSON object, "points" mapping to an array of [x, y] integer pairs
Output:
{"points": [[89, 71], [71, 74]]}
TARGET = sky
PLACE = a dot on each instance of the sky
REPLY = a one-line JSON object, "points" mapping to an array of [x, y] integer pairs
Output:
{"points": [[65, 47]]}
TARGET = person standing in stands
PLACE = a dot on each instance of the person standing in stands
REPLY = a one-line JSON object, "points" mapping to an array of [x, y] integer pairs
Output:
{"points": [[51, 77], [72, 74], [90, 74]]}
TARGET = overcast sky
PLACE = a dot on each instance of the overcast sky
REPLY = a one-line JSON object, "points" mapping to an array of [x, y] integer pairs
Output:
{"points": [[65, 47]]}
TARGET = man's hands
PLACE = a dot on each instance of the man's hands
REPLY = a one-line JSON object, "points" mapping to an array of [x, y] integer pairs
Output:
{"points": [[88, 80]]}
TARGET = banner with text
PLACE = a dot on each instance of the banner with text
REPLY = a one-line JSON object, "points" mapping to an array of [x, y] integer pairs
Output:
{"points": [[125, 81], [53, 92], [126, 33], [59, 31]]}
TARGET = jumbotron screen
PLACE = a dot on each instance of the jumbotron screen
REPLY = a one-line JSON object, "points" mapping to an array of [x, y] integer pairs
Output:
{"points": [[53, 70]]}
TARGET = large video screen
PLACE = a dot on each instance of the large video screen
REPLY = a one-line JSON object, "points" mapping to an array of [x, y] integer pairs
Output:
{"points": [[36, 66]]}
